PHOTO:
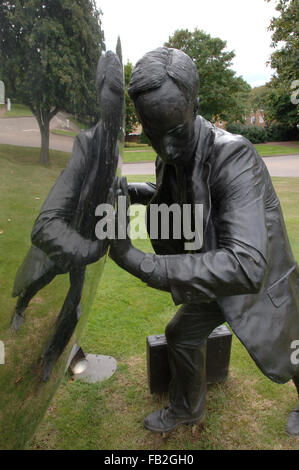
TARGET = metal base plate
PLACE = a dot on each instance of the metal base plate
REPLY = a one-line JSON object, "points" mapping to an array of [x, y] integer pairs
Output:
{"points": [[99, 368]]}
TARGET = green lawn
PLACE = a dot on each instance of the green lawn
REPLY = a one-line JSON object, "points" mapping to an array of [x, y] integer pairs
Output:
{"points": [[137, 156], [265, 150], [18, 110], [64, 133], [246, 412]]}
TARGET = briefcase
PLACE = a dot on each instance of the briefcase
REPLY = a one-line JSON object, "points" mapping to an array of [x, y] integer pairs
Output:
{"points": [[217, 359]]}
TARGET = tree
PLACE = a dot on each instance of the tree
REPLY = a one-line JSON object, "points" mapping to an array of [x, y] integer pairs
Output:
{"points": [[131, 116], [285, 60], [49, 51], [222, 94], [257, 98], [285, 34]]}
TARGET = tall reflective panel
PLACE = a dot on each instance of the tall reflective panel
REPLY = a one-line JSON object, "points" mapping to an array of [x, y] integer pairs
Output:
{"points": [[54, 283]]}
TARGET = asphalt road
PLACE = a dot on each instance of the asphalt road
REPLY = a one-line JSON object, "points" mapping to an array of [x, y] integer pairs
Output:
{"points": [[25, 132]]}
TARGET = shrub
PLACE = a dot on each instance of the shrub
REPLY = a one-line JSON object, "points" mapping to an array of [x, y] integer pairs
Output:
{"points": [[280, 133], [144, 139], [270, 133], [255, 134]]}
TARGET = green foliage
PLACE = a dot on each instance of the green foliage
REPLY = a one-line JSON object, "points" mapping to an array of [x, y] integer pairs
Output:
{"points": [[280, 113], [222, 94], [285, 34], [131, 116], [277, 132], [285, 60], [257, 98], [144, 139], [279, 108], [48, 53], [273, 132], [255, 134]]}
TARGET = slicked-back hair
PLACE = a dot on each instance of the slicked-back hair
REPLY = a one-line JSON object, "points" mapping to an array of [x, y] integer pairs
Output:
{"points": [[156, 66], [110, 71]]}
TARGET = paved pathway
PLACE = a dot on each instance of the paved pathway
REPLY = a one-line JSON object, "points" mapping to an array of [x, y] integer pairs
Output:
{"points": [[2, 111], [286, 165], [147, 168], [25, 132]]}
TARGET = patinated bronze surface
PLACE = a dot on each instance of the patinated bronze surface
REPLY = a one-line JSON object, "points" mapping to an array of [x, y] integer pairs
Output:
{"points": [[244, 272], [56, 283]]}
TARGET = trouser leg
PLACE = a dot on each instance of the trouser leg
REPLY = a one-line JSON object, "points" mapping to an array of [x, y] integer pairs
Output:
{"points": [[187, 335], [296, 382], [65, 323], [292, 427]]}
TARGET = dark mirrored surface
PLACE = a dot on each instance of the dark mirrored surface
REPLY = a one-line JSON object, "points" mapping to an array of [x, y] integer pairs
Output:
{"points": [[55, 279]]}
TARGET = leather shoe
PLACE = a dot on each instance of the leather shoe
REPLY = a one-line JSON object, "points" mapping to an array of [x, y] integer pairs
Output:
{"points": [[292, 428], [166, 420]]}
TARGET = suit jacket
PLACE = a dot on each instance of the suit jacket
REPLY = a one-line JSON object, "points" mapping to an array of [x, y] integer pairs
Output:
{"points": [[246, 263]]}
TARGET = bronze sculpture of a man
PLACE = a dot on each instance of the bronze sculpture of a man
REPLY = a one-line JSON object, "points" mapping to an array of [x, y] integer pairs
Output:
{"points": [[244, 273]]}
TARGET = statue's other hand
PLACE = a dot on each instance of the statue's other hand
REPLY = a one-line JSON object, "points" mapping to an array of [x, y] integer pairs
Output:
{"points": [[121, 243]]}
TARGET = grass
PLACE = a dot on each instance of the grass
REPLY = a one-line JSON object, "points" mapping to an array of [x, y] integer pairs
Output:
{"points": [[78, 123], [267, 150], [147, 154], [246, 412], [18, 110], [138, 156], [136, 146], [64, 133]]}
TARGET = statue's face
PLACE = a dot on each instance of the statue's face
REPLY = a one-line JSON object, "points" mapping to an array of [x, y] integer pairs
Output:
{"points": [[168, 121]]}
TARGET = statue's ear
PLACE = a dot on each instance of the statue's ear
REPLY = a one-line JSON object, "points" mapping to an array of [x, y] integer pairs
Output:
{"points": [[196, 105]]}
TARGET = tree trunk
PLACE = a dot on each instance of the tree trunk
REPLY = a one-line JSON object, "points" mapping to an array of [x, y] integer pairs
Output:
{"points": [[43, 118], [44, 151]]}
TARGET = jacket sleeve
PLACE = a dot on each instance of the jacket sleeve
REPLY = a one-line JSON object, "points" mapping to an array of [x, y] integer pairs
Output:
{"points": [[52, 231], [238, 265], [141, 193]]}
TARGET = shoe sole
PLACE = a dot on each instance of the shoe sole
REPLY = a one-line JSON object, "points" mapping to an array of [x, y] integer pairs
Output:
{"points": [[187, 422]]}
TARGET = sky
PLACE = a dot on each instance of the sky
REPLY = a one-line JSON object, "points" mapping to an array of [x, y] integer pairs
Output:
{"points": [[144, 25]]}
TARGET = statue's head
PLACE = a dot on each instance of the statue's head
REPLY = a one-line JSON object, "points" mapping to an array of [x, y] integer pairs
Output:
{"points": [[164, 87], [110, 85]]}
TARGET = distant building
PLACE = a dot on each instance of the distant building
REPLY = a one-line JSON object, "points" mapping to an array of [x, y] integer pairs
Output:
{"points": [[255, 118], [221, 124], [135, 135]]}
